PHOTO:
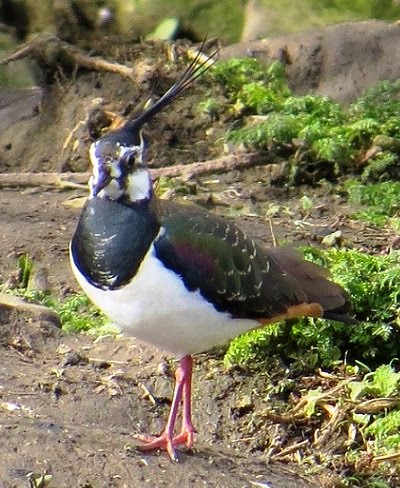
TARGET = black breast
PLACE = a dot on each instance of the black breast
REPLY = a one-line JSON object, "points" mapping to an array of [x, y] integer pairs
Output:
{"points": [[111, 240]]}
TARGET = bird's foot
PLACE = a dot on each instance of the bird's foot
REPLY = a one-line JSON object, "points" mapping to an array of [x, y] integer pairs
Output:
{"points": [[166, 442], [185, 437]]}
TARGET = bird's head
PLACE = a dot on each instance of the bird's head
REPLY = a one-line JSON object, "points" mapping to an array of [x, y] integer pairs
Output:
{"points": [[119, 169]]}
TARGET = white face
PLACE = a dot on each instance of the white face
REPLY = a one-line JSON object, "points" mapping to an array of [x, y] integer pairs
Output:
{"points": [[119, 171]]}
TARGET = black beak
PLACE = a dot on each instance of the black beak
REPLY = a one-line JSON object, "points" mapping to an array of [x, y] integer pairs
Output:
{"points": [[102, 181]]}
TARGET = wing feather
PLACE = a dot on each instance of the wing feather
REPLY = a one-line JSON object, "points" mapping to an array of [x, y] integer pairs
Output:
{"points": [[237, 275]]}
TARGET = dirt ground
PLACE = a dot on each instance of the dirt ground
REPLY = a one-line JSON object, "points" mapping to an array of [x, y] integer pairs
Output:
{"points": [[70, 405]]}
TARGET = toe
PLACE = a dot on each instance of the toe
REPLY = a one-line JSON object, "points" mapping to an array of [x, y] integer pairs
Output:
{"points": [[163, 442]]}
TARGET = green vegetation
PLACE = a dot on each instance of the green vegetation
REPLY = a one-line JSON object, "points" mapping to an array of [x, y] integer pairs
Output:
{"points": [[364, 408], [24, 267], [380, 202], [311, 130], [78, 314], [252, 88]]}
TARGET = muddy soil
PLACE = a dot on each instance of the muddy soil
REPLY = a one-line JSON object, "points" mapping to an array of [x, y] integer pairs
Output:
{"points": [[69, 404]]}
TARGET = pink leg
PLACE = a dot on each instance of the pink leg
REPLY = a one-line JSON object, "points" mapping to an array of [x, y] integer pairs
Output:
{"points": [[167, 441], [187, 431]]}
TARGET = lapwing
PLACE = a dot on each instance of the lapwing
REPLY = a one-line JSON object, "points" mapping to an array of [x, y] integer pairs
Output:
{"points": [[177, 276]]}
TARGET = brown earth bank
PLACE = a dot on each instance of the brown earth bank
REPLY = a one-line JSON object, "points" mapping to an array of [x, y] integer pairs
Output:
{"points": [[69, 404]]}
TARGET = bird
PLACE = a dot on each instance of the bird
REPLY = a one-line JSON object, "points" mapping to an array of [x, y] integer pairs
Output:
{"points": [[177, 276]]}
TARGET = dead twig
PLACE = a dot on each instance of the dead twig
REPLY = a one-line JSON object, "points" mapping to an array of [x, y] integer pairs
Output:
{"points": [[376, 405], [386, 457], [271, 227], [219, 165], [79, 180], [147, 393], [322, 436], [297, 414], [50, 51], [290, 450]]}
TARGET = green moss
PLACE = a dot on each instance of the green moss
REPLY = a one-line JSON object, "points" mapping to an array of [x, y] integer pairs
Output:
{"points": [[311, 128], [76, 312], [381, 102], [385, 432], [252, 87]]}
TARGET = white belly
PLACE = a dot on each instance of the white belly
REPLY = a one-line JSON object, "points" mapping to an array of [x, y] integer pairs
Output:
{"points": [[157, 308]]}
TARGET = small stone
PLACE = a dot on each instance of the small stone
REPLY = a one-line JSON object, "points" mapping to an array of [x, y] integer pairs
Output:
{"points": [[334, 239]]}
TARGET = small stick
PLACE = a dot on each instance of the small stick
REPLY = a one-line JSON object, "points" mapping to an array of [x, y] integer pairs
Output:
{"points": [[147, 393], [290, 449], [386, 457], [271, 227]]}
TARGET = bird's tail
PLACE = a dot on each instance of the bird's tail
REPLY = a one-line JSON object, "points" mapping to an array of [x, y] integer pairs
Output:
{"points": [[314, 282]]}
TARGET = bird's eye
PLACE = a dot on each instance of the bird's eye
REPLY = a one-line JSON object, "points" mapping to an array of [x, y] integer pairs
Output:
{"points": [[127, 161], [131, 158]]}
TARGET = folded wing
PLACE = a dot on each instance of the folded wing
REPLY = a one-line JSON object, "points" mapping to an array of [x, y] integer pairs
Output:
{"points": [[240, 277]]}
